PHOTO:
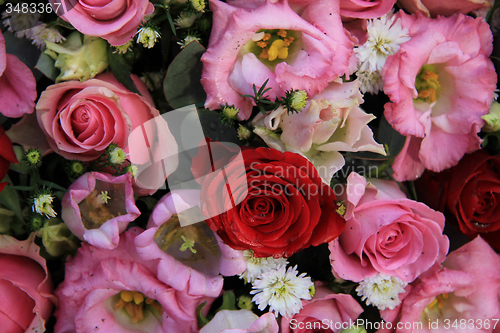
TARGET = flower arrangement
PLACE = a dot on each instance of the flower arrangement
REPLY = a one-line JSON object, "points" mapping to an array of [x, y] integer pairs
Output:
{"points": [[266, 166]]}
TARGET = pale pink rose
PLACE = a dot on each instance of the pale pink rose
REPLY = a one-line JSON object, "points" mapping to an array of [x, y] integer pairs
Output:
{"points": [[201, 271], [439, 107], [326, 311], [241, 321], [320, 52], [442, 7], [17, 85], [385, 233], [91, 293], [25, 286], [116, 21], [331, 122], [98, 207], [461, 297], [365, 9]]}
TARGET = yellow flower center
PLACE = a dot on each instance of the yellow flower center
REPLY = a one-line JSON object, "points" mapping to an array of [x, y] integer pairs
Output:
{"points": [[433, 310], [272, 46], [134, 302], [427, 84]]}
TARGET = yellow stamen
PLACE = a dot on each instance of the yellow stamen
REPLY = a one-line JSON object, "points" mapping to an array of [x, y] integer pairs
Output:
{"points": [[288, 41], [266, 37], [282, 33], [133, 302], [274, 49], [262, 44], [138, 298], [127, 296], [264, 54], [283, 53]]}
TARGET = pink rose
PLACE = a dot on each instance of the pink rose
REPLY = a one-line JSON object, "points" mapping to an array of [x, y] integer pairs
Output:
{"points": [[326, 311], [241, 321], [365, 9], [116, 21], [305, 51], [200, 271], [440, 83], [17, 85], [442, 7], [98, 207], [25, 286], [386, 233], [115, 291], [461, 297]]}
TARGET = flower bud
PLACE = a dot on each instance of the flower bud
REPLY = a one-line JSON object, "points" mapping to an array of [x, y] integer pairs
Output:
{"points": [[79, 60], [492, 119], [57, 238]]}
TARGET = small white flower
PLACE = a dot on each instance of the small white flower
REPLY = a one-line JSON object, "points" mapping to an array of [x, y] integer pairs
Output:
{"points": [[385, 35], [381, 291], [282, 291], [257, 266], [122, 49], [21, 23], [371, 82], [117, 156], [188, 39], [185, 19], [40, 34], [148, 36], [42, 204]]}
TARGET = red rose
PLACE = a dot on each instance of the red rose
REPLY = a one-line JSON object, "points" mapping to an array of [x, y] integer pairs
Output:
{"points": [[7, 156], [473, 196], [273, 203]]}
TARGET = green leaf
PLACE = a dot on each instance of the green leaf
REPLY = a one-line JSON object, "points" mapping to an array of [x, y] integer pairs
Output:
{"points": [[215, 129], [9, 198], [182, 83], [45, 64], [390, 137], [228, 301], [202, 320], [121, 70]]}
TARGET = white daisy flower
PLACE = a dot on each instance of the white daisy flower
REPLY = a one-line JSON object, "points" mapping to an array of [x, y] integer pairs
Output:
{"points": [[282, 291], [385, 35], [21, 23], [148, 36], [188, 39], [371, 82], [381, 291], [185, 19], [117, 156], [257, 266], [42, 204]]}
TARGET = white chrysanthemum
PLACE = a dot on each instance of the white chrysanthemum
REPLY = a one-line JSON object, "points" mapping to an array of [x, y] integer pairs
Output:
{"points": [[257, 266], [385, 35], [148, 36], [42, 204], [371, 82], [282, 291], [21, 23], [188, 39], [40, 34], [117, 156], [185, 19], [381, 291]]}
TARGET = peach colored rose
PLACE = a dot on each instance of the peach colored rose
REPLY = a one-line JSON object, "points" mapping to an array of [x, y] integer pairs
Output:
{"points": [[25, 286], [116, 20]]}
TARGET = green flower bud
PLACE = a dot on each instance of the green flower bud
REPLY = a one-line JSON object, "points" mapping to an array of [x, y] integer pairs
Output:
{"points": [[244, 133], [198, 5], [245, 302], [33, 158], [229, 114], [79, 60], [57, 238], [75, 169], [492, 119]]}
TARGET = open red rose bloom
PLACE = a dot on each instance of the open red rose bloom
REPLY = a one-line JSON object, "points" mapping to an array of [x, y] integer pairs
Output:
{"points": [[276, 205]]}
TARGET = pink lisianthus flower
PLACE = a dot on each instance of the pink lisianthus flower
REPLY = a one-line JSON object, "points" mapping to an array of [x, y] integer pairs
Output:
{"points": [[168, 238], [385, 233], [115, 21], [25, 286], [268, 40], [440, 83], [241, 321], [17, 85], [330, 122], [326, 311], [465, 292], [117, 291], [446, 8], [98, 207]]}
